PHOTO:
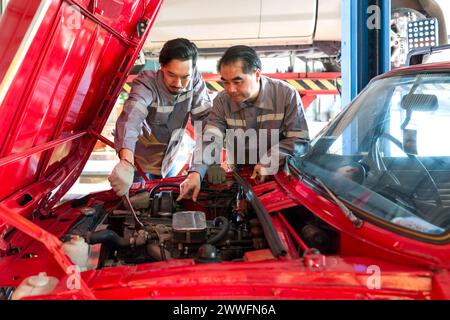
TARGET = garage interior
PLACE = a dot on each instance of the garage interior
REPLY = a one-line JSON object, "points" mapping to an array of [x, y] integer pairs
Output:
{"points": [[329, 59]]}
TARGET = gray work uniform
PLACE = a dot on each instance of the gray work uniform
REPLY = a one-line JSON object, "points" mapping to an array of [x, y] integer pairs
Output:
{"points": [[151, 113], [278, 106]]}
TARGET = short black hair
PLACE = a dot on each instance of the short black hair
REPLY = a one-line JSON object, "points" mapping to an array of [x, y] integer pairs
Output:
{"points": [[248, 56], [181, 49]]}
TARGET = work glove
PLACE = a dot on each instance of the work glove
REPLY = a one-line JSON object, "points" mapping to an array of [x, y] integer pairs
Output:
{"points": [[216, 174], [258, 174], [121, 177]]}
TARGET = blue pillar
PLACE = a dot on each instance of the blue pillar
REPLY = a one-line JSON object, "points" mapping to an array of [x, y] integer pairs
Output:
{"points": [[365, 51], [385, 37], [365, 43]]}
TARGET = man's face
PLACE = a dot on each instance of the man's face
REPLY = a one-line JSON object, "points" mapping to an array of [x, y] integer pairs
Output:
{"points": [[239, 85], [177, 74]]}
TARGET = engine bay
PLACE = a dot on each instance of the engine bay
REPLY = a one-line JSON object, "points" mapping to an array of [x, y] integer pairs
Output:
{"points": [[227, 223], [221, 226]]}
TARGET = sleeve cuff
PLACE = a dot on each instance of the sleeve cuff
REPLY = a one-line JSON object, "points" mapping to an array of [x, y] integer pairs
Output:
{"points": [[125, 144], [201, 169]]}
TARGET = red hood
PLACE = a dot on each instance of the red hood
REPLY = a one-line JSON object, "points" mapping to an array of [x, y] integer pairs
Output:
{"points": [[63, 64]]}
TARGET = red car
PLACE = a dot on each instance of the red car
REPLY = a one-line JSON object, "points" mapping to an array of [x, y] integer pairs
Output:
{"points": [[363, 213]]}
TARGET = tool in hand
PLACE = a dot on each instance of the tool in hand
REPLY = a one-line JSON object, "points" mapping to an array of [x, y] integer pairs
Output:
{"points": [[138, 224]]}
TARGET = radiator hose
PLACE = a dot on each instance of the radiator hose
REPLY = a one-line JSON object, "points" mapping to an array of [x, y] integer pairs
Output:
{"points": [[108, 237], [223, 231]]}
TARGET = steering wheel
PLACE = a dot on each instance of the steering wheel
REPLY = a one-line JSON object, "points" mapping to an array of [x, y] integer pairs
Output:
{"points": [[387, 178]]}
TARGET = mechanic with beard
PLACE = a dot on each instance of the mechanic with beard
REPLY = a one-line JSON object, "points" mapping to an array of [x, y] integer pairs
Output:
{"points": [[249, 101], [159, 104]]}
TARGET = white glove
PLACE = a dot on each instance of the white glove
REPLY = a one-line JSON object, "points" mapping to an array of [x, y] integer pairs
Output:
{"points": [[121, 177]]}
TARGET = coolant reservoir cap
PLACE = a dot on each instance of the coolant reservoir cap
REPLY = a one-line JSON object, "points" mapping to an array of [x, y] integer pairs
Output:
{"points": [[40, 280]]}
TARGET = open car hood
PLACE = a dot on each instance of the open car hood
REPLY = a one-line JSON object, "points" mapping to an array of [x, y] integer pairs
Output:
{"points": [[63, 64]]}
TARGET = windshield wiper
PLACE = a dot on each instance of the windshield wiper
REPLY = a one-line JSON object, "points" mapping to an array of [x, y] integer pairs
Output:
{"points": [[357, 222]]}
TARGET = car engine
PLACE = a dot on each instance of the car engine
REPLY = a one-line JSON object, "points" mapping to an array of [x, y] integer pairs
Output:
{"points": [[220, 226]]}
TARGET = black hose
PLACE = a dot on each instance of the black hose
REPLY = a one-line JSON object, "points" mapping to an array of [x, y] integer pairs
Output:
{"points": [[107, 237], [276, 246], [223, 231], [163, 252]]}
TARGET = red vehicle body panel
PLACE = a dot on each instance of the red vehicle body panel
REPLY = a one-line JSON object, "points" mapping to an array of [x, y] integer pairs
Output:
{"points": [[63, 90], [52, 112], [63, 64]]}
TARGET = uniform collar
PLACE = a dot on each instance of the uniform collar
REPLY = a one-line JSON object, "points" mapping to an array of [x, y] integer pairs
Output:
{"points": [[261, 102]]}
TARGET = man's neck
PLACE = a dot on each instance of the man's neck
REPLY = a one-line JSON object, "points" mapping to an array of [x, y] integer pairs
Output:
{"points": [[256, 95]]}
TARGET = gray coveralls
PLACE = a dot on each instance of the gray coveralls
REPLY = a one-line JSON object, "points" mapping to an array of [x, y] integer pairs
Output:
{"points": [[151, 114], [278, 106]]}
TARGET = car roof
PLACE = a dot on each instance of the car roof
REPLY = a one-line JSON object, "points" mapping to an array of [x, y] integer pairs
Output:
{"points": [[420, 68]]}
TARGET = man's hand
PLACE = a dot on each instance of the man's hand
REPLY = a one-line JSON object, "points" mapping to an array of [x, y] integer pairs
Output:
{"points": [[257, 174], [216, 174], [190, 187], [121, 177]]}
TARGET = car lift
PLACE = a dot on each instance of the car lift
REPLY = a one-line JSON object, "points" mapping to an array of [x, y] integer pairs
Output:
{"points": [[365, 53]]}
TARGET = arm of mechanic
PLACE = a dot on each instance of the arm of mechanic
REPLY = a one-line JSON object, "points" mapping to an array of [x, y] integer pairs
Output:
{"points": [[206, 152], [201, 102], [128, 128], [294, 134]]}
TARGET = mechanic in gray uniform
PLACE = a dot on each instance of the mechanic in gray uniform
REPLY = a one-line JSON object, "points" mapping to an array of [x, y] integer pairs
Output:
{"points": [[159, 104], [249, 101]]}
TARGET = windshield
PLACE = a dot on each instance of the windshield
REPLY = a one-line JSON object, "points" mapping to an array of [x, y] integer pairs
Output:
{"points": [[388, 154]]}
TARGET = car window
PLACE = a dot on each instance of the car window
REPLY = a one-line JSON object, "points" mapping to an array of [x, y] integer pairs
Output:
{"points": [[388, 153], [421, 129]]}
